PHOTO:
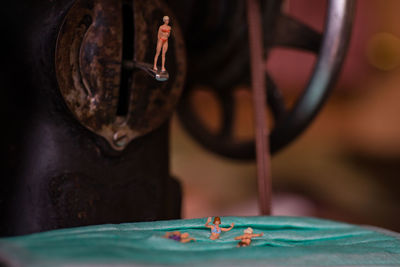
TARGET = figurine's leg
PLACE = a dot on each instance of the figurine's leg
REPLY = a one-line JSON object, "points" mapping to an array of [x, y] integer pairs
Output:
{"points": [[158, 50], [164, 51], [214, 236], [241, 245]]}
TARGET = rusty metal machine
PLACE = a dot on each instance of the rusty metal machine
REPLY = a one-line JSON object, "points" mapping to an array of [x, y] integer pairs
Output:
{"points": [[87, 127]]}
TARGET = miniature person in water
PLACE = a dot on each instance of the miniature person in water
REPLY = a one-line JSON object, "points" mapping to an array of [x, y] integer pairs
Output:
{"points": [[162, 43], [178, 236], [245, 239], [215, 229]]}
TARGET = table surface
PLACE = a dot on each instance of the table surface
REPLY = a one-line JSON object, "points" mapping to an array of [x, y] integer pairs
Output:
{"points": [[287, 241]]}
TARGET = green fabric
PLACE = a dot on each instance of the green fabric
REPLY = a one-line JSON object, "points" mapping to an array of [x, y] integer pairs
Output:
{"points": [[286, 241]]}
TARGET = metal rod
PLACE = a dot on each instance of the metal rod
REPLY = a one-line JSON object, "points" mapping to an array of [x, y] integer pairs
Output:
{"points": [[258, 84]]}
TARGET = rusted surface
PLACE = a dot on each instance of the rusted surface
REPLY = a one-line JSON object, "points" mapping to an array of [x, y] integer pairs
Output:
{"points": [[89, 66]]}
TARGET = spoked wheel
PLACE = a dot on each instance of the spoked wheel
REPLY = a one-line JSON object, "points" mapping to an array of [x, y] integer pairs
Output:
{"points": [[224, 63]]}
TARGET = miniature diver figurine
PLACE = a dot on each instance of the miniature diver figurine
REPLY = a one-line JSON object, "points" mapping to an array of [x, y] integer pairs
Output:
{"points": [[245, 239], [215, 229], [178, 236], [162, 43]]}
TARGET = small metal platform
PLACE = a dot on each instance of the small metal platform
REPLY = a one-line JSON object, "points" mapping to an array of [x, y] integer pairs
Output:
{"points": [[160, 76]]}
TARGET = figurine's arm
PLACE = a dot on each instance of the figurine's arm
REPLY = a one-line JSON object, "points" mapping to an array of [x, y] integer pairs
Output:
{"points": [[238, 237], [168, 234], [227, 229], [256, 235], [208, 223], [169, 33], [186, 240], [159, 33]]}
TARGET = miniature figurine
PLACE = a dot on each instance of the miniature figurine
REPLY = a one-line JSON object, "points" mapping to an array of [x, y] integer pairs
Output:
{"points": [[215, 229], [162, 43], [245, 239], [178, 236]]}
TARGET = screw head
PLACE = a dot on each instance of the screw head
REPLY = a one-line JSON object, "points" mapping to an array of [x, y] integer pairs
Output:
{"points": [[120, 138]]}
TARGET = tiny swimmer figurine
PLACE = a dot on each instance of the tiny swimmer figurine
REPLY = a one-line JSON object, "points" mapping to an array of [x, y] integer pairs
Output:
{"points": [[162, 43], [245, 239], [178, 236], [215, 229]]}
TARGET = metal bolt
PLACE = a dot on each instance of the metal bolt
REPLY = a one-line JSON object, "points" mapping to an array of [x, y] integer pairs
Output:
{"points": [[120, 138]]}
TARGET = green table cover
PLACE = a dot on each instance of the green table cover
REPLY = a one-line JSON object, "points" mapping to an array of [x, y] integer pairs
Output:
{"points": [[287, 241]]}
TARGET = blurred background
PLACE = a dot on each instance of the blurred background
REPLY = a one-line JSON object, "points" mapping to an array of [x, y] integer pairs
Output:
{"points": [[346, 166]]}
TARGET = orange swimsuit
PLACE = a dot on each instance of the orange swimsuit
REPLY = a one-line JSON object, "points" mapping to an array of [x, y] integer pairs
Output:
{"points": [[164, 39]]}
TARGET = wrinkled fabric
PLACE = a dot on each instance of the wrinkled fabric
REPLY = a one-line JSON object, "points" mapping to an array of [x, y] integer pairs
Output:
{"points": [[287, 241]]}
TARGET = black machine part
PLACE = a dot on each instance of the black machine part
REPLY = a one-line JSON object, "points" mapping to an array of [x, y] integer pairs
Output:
{"points": [[221, 62], [62, 169]]}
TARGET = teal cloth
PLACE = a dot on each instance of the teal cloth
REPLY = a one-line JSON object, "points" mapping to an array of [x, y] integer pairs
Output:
{"points": [[286, 241]]}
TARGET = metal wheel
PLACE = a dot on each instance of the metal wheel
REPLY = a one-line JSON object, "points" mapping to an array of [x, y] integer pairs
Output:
{"points": [[218, 56]]}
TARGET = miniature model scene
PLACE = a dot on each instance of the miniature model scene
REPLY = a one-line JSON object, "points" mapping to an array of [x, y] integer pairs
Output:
{"points": [[130, 122], [245, 238]]}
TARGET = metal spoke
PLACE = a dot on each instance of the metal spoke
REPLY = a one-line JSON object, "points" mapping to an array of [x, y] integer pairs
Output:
{"points": [[227, 101], [293, 33], [275, 99]]}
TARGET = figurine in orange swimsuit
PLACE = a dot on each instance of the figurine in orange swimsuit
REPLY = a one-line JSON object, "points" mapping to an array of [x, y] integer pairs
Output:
{"points": [[162, 43]]}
